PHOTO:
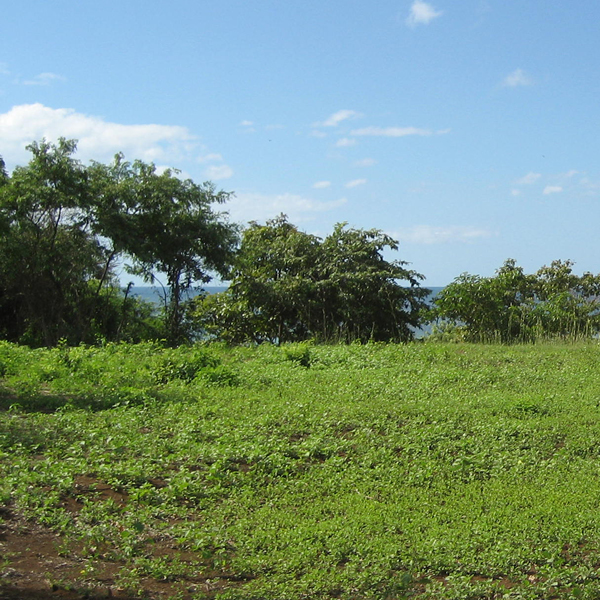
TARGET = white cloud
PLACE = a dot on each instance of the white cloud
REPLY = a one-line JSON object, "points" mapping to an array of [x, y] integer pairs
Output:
{"points": [[319, 185], [44, 79], [318, 134], [391, 131], [4, 69], [209, 158], [516, 78], [336, 118], [356, 182], [365, 162], [571, 173], [421, 13], [590, 187], [427, 234], [246, 207], [98, 139], [552, 189], [216, 172], [515, 192], [248, 126], [528, 179], [345, 143]]}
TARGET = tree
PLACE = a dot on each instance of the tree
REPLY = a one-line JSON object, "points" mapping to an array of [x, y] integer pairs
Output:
{"points": [[288, 285], [360, 291], [166, 225], [513, 306], [48, 255]]}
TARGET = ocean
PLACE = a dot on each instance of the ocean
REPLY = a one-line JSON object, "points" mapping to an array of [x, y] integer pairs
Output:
{"points": [[154, 294]]}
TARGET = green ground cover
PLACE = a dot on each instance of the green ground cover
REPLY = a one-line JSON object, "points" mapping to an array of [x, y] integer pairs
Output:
{"points": [[356, 472]]}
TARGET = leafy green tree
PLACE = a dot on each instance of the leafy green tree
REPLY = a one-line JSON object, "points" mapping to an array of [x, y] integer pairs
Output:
{"points": [[513, 306], [48, 255], [274, 277], [288, 286], [166, 225], [568, 305], [360, 294]]}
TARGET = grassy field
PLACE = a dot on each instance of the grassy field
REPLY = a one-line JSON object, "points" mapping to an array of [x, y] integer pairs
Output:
{"points": [[357, 472]]}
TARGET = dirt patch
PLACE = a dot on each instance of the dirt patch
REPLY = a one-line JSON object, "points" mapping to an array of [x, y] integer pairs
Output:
{"points": [[37, 564]]}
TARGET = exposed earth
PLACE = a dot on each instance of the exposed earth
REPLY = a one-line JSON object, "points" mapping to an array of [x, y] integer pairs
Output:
{"points": [[36, 564]]}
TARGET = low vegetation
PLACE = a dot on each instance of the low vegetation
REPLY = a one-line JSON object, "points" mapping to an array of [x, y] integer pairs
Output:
{"points": [[512, 306], [374, 471]]}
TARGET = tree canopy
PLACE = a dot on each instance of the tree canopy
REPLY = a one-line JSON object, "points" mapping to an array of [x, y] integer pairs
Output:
{"points": [[513, 306], [287, 285], [63, 225], [166, 225]]}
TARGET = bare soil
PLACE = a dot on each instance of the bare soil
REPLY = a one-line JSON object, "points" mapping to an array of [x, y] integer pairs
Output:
{"points": [[37, 564]]}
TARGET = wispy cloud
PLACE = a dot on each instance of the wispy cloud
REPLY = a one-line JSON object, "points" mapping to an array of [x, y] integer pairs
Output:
{"points": [[355, 183], [247, 126], [218, 172], [341, 115], [427, 234], [209, 158], [552, 189], [345, 142], [591, 188], [338, 117], [4, 70], [255, 206], [421, 13], [517, 78], [98, 139], [44, 79], [391, 131], [365, 162], [528, 179], [319, 185]]}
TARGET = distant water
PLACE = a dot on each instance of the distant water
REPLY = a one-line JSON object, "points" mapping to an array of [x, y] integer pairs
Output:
{"points": [[155, 294], [434, 292]]}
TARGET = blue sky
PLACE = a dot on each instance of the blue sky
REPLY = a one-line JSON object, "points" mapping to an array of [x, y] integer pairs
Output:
{"points": [[466, 130]]}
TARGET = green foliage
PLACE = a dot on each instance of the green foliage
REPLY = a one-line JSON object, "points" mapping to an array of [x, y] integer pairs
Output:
{"points": [[290, 286], [513, 306], [101, 377], [298, 353], [64, 225], [165, 225], [382, 471], [51, 267], [183, 366]]}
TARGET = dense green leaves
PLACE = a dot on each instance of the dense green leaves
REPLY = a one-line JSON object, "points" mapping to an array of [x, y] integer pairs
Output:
{"points": [[166, 225], [513, 306], [63, 226], [49, 258], [288, 285]]}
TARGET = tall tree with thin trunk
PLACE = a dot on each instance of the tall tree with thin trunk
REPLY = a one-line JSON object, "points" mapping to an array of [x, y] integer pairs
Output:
{"points": [[166, 225]]}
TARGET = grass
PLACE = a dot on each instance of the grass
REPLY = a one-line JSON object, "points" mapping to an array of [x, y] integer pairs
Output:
{"points": [[358, 472]]}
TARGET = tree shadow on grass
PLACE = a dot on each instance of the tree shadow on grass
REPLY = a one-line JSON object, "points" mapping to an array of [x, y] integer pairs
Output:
{"points": [[43, 401], [38, 402]]}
